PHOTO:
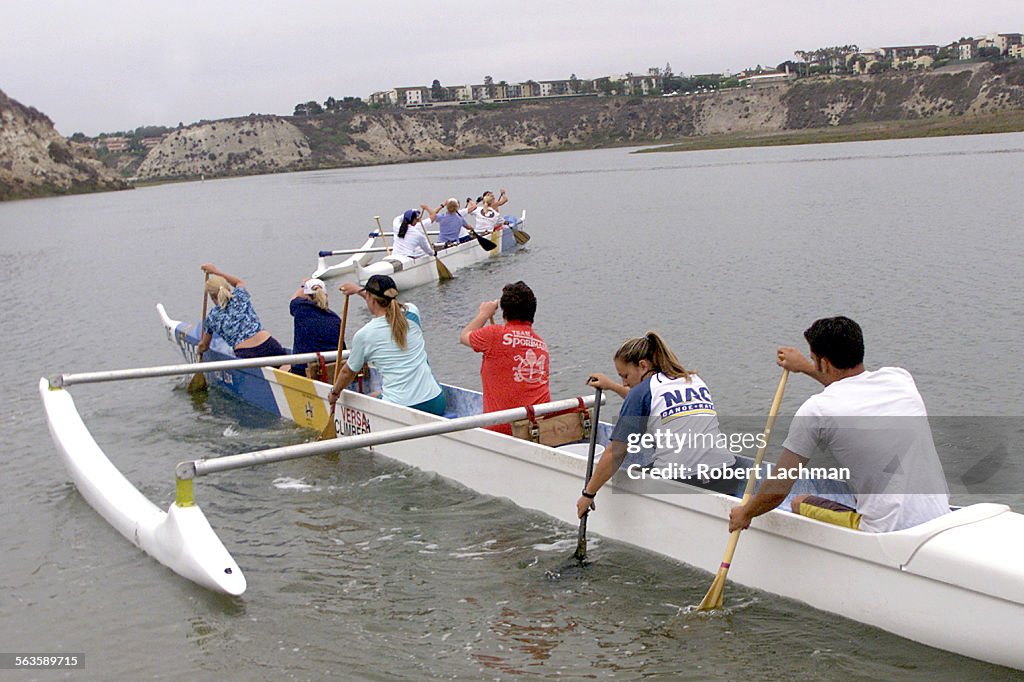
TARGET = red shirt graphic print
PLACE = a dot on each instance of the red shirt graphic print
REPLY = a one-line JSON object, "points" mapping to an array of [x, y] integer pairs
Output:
{"points": [[514, 371]]}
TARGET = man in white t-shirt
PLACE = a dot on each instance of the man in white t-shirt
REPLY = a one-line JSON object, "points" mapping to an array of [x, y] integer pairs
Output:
{"points": [[873, 422]]}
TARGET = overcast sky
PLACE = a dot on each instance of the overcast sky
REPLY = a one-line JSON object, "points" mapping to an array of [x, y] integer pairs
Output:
{"points": [[107, 65]]}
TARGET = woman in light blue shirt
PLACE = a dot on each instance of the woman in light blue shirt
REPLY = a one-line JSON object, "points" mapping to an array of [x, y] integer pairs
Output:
{"points": [[393, 343]]}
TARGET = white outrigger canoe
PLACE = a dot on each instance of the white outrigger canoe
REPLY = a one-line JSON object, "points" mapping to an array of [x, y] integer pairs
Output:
{"points": [[955, 583], [413, 272], [361, 256]]}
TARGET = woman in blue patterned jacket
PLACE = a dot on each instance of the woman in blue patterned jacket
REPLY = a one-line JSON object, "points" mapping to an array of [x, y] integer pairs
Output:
{"points": [[234, 319]]}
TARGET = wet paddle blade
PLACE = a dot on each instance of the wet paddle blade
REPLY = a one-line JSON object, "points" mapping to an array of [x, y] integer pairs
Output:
{"points": [[443, 273], [329, 431], [713, 599], [197, 383], [521, 236], [580, 554], [484, 242]]}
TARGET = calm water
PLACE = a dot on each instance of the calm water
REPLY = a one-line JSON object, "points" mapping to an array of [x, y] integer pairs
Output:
{"points": [[360, 567]]}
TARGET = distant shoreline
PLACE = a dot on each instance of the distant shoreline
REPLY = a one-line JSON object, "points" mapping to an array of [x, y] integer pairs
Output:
{"points": [[1002, 122]]}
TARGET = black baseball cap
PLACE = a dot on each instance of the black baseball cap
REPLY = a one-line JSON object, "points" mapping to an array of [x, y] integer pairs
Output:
{"points": [[382, 286]]}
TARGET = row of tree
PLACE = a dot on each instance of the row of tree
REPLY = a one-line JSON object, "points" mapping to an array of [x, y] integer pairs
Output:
{"points": [[133, 135], [330, 105], [840, 59]]}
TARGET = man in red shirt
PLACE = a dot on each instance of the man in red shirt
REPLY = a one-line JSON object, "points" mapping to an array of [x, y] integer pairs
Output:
{"points": [[514, 370]]}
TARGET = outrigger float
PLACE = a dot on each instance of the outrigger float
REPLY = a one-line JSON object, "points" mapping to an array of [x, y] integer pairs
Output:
{"points": [[413, 272], [955, 583]]}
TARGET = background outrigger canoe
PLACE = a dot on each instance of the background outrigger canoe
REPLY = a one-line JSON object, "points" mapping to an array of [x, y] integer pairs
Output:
{"points": [[955, 583], [413, 272]]}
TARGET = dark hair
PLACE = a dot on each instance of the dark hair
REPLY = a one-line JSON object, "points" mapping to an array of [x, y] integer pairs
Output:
{"points": [[518, 302], [408, 218], [838, 339], [653, 349]]}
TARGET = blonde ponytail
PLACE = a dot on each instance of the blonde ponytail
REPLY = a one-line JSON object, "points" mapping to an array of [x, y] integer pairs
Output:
{"points": [[653, 348], [219, 289], [320, 298], [395, 315]]}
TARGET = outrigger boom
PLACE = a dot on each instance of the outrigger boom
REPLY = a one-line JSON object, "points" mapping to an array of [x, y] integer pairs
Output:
{"points": [[65, 380], [202, 467], [181, 538]]}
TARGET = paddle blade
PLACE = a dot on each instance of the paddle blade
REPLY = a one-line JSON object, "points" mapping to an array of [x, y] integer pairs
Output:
{"points": [[329, 431], [486, 243], [443, 273], [521, 237], [713, 599], [580, 554], [197, 383]]}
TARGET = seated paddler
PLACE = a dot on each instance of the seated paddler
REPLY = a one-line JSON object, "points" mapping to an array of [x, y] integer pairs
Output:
{"points": [[874, 424], [394, 344], [668, 416], [316, 327]]}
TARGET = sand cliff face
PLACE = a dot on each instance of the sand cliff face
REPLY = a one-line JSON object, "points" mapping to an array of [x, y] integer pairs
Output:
{"points": [[972, 89], [269, 144], [244, 146], [35, 160], [266, 144]]}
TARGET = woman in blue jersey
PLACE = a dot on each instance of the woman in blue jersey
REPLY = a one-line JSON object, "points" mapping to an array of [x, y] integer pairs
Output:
{"points": [[393, 343], [670, 405]]}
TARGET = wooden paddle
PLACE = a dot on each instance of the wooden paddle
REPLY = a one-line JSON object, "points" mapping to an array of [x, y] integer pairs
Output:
{"points": [[380, 231], [329, 430], [521, 235], [198, 381], [581, 542], [443, 273], [713, 599]]}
